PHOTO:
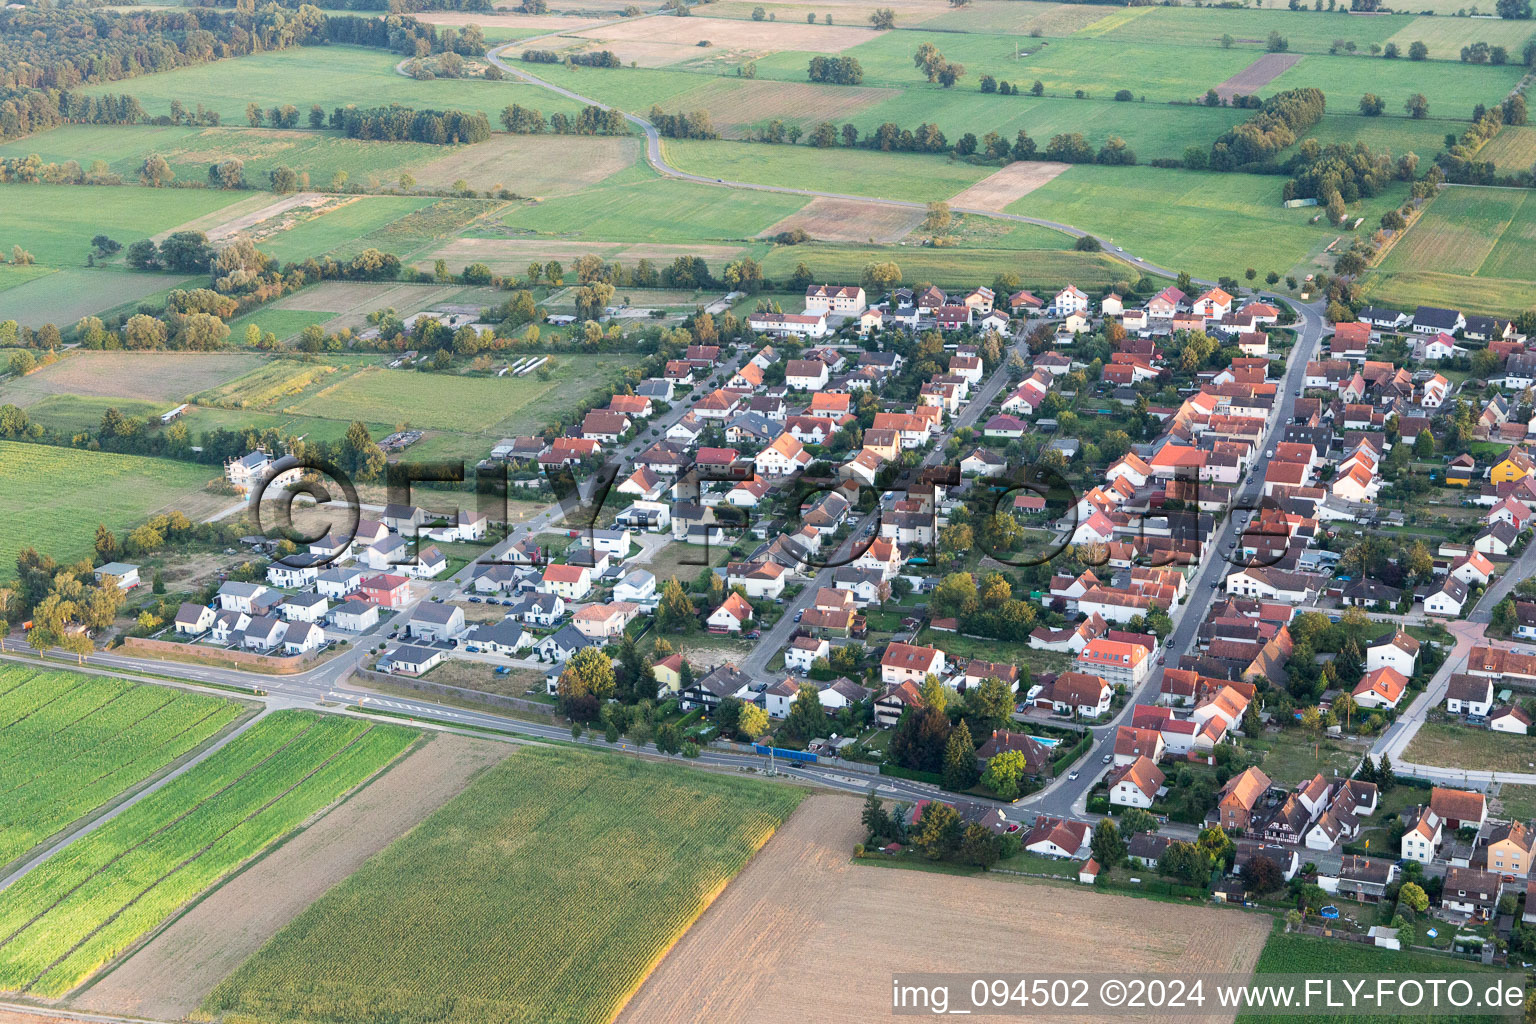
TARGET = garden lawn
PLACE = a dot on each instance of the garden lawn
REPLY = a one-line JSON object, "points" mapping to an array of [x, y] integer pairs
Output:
{"points": [[1303, 954], [332, 76], [1448, 745], [1292, 757], [1206, 224], [601, 861], [55, 223], [53, 498], [1517, 803]]}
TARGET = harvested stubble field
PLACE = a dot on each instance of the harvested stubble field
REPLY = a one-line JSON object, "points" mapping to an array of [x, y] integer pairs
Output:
{"points": [[736, 105], [1022, 17], [804, 933], [70, 743], [842, 220], [53, 498], [544, 893], [149, 376], [657, 42], [1012, 182], [1257, 75], [96, 897], [171, 975], [531, 165]]}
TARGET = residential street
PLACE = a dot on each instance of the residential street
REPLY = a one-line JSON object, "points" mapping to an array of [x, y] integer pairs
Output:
{"points": [[1067, 797]]}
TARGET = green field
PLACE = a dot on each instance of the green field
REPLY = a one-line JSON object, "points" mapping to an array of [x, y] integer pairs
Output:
{"points": [[910, 176], [190, 151], [956, 267], [1207, 224], [1320, 957], [87, 903], [500, 405], [653, 209], [52, 498], [1394, 135], [1306, 31], [1512, 150], [1473, 247], [1452, 88], [70, 743], [336, 228], [73, 414], [332, 76], [1098, 67], [55, 223], [283, 323], [62, 297], [547, 892]]}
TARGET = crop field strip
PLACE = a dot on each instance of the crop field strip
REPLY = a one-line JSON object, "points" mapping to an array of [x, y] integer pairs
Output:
{"points": [[539, 904], [96, 897], [74, 742]]}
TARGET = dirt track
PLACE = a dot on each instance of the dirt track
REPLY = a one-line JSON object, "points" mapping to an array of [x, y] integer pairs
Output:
{"points": [[170, 977], [805, 934], [1257, 75]]}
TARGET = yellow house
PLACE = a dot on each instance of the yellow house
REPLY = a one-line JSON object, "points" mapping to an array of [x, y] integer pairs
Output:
{"points": [[1509, 850], [1516, 465], [669, 672]]}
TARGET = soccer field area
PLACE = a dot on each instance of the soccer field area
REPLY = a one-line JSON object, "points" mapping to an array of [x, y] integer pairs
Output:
{"points": [[548, 891], [94, 898], [53, 498], [71, 743]]}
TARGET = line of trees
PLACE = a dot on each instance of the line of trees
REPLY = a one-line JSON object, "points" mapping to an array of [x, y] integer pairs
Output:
{"points": [[593, 120], [695, 124], [1284, 118], [395, 123], [592, 59]]}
